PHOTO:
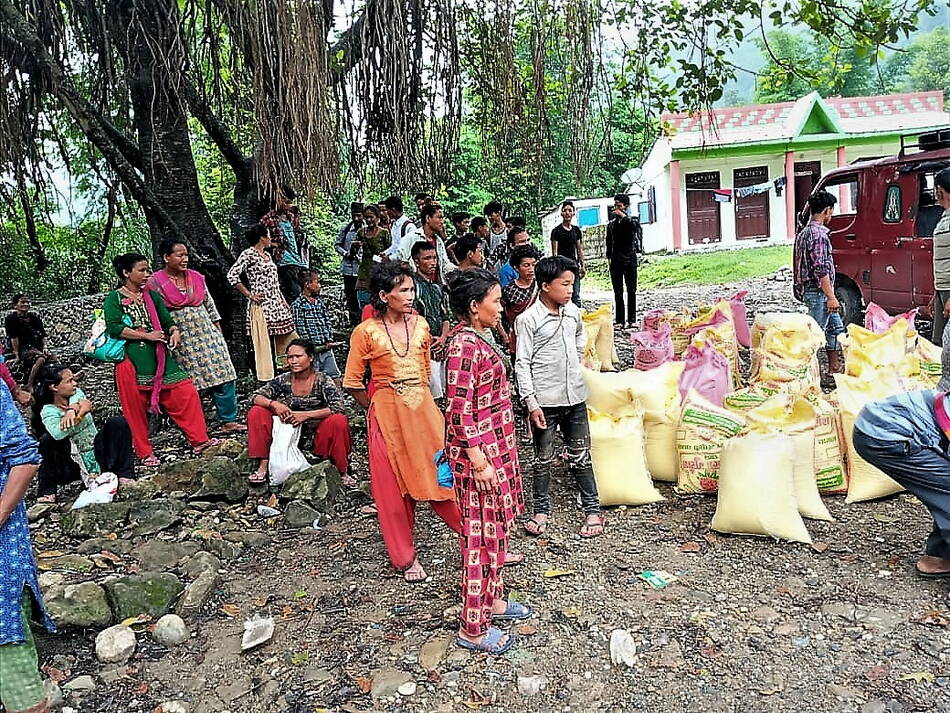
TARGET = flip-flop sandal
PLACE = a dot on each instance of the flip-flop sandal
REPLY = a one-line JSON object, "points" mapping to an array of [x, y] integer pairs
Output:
{"points": [[416, 579], [514, 611], [513, 559], [202, 447], [490, 643], [46, 499], [369, 510], [257, 478], [932, 575], [151, 461], [601, 523], [541, 527]]}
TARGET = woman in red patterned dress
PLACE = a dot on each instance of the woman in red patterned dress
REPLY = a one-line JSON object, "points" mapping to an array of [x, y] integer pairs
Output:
{"points": [[483, 454]]}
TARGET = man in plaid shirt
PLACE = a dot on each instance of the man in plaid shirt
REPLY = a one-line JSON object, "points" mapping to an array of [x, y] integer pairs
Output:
{"points": [[313, 323], [814, 274]]}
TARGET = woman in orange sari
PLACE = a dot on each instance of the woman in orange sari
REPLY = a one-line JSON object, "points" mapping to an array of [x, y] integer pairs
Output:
{"points": [[406, 431]]}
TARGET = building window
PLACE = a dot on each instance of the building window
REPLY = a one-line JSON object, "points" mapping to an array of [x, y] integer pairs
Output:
{"points": [[588, 217], [647, 209], [893, 207]]}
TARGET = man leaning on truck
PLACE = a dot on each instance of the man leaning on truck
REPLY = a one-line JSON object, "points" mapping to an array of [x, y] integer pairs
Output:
{"points": [[814, 274], [942, 256]]}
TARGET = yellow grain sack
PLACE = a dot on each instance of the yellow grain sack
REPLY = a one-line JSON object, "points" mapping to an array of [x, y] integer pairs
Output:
{"points": [[757, 500], [657, 391], [867, 353], [662, 458], [929, 356], [619, 460], [795, 322], [744, 399], [703, 428], [773, 368], [795, 417], [676, 320], [599, 350], [831, 474], [865, 482]]}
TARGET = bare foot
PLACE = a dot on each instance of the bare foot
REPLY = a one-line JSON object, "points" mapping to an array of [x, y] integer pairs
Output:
{"points": [[415, 573], [537, 524], [46, 499], [594, 526]]}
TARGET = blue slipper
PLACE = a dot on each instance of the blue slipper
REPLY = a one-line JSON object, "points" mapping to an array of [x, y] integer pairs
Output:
{"points": [[489, 643], [514, 611]]}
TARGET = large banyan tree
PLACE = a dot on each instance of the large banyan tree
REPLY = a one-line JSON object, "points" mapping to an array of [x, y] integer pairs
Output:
{"points": [[303, 95]]}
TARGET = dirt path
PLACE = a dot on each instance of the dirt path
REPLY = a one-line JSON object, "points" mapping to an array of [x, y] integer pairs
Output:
{"points": [[751, 625]]}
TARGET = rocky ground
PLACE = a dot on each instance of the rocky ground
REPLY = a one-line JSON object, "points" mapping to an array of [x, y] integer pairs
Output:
{"points": [[750, 624]]}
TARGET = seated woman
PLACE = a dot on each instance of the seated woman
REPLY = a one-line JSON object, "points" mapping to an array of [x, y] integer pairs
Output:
{"points": [[27, 338], [303, 396], [71, 445], [150, 378]]}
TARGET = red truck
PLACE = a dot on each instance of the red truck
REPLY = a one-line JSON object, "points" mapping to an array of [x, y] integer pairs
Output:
{"points": [[882, 230]]}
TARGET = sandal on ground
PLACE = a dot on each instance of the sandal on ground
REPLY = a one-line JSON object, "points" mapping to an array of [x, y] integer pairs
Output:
{"points": [[202, 447], [514, 558], [536, 527], [51, 498], [258, 477], [151, 461], [490, 643], [935, 574], [233, 427], [514, 611], [414, 573], [593, 529], [369, 510]]}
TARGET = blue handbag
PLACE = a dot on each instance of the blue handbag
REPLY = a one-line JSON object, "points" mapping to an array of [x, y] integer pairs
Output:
{"points": [[100, 345], [443, 470]]}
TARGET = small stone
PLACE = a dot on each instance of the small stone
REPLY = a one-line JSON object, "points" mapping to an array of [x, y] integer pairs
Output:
{"points": [[433, 651], [152, 516], [95, 520], [80, 683], [39, 510], [766, 615], [318, 486], [386, 682], [874, 706], [82, 606], [845, 693], [157, 555], [531, 685], [113, 673], [199, 592], [149, 593], [224, 550], [316, 675], [138, 490], [200, 562], [407, 689], [170, 630], [298, 514], [54, 694], [174, 707], [115, 644], [69, 563], [101, 544], [251, 539]]}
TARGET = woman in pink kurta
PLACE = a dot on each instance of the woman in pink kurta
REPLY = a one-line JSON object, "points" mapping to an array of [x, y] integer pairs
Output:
{"points": [[482, 451]]}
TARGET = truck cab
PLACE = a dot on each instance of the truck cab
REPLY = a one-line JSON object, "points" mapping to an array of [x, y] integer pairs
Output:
{"points": [[883, 224]]}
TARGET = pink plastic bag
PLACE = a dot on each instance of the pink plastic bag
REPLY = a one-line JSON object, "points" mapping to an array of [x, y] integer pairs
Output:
{"points": [[707, 371], [740, 317], [652, 347], [878, 321], [654, 318], [714, 320]]}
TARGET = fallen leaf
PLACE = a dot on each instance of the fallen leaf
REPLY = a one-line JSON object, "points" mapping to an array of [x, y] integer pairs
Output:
{"points": [[272, 501], [918, 677], [711, 538], [111, 556], [527, 630], [819, 546], [300, 594], [110, 536], [55, 675], [141, 689], [881, 517], [300, 658], [50, 553], [137, 621], [933, 618], [690, 547], [231, 610], [363, 683], [551, 573], [571, 612]]}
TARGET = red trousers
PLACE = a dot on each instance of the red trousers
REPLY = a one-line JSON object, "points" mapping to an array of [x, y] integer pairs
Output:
{"points": [[397, 512], [332, 440], [180, 401]]}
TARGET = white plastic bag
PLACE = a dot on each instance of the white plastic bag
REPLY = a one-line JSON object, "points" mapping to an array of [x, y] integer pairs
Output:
{"points": [[285, 456], [100, 489]]}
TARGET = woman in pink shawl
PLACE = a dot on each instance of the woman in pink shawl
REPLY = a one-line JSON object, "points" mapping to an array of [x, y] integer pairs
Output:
{"points": [[202, 351]]}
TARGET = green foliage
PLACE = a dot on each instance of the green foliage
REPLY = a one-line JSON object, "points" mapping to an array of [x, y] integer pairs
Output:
{"points": [[923, 66], [705, 268], [798, 63]]}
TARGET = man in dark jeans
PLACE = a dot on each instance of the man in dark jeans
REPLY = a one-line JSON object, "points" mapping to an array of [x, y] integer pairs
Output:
{"points": [[906, 436], [624, 241], [550, 339]]}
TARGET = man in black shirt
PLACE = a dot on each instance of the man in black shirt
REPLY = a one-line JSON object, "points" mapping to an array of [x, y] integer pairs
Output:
{"points": [[624, 241], [566, 241]]}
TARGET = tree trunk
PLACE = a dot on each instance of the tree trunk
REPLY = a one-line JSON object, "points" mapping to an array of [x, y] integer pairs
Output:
{"points": [[95, 276], [30, 221]]}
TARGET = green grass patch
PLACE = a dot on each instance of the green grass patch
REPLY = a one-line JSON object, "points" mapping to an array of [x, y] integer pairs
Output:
{"points": [[708, 268]]}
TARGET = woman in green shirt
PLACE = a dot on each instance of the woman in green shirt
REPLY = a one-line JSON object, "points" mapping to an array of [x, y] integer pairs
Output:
{"points": [[149, 378], [71, 445], [374, 241]]}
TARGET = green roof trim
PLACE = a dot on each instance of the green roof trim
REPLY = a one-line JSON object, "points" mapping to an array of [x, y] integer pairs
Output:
{"points": [[817, 118]]}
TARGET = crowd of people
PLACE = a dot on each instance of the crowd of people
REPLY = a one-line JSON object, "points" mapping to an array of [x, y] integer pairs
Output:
{"points": [[442, 324]]}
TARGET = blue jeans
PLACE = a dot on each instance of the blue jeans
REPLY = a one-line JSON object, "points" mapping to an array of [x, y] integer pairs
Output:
{"points": [[575, 431], [924, 471], [830, 322], [225, 402]]}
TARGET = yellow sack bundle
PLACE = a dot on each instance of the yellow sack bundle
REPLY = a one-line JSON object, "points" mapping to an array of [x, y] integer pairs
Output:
{"points": [[753, 395], [676, 320], [774, 368], [795, 417], [867, 353], [810, 336], [758, 500], [657, 390], [830, 471], [865, 482], [703, 428], [619, 460], [929, 357], [599, 350], [662, 458]]}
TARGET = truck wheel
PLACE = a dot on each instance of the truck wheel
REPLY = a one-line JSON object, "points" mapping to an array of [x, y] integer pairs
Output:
{"points": [[852, 307]]}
